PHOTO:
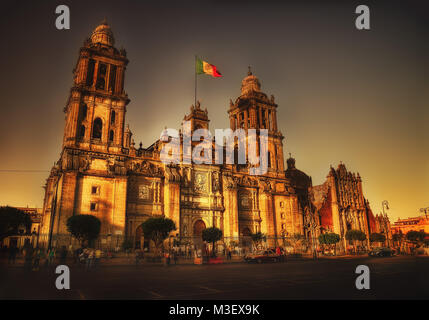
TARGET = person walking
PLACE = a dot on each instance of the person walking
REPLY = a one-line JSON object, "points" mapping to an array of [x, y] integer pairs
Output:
{"points": [[175, 257], [167, 258], [97, 257], [51, 256], [90, 259], [229, 254], [137, 257], [36, 262], [29, 252]]}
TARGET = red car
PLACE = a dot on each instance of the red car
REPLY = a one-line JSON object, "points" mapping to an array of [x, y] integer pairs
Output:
{"points": [[268, 255]]}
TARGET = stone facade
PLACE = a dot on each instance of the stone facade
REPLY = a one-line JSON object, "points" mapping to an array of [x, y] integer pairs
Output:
{"points": [[403, 226], [341, 206], [101, 172]]}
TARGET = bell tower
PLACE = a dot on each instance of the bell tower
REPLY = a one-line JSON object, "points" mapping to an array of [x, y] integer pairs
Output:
{"points": [[254, 110], [95, 111]]}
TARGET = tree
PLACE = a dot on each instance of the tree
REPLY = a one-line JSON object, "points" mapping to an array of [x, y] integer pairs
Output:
{"points": [[330, 239], [397, 237], [233, 244], [295, 240], [212, 235], [377, 237], [415, 237], [157, 229], [258, 238], [84, 227], [11, 219], [355, 235]]}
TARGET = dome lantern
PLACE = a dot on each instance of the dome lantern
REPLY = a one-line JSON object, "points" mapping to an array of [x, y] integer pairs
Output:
{"points": [[103, 35]]}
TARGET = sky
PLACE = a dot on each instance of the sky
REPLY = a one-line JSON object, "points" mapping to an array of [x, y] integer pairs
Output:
{"points": [[356, 96]]}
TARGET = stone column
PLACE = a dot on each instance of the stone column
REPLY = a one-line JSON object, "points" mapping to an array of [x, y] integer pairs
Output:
{"points": [[172, 202], [267, 223], [94, 81]]}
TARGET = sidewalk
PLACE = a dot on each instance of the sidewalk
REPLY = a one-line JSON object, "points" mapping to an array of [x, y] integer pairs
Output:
{"points": [[120, 260], [129, 260], [123, 260]]}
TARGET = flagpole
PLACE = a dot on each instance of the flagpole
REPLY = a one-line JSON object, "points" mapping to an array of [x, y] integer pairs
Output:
{"points": [[195, 96]]}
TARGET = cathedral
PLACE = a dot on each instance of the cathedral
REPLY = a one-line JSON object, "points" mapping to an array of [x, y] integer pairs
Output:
{"points": [[101, 172]]}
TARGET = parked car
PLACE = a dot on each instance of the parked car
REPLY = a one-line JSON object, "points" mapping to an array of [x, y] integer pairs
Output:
{"points": [[263, 256], [381, 252]]}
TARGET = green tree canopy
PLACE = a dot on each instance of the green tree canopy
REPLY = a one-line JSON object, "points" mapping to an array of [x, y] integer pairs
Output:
{"points": [[258, 238], [416, 237], [329, 238], [84, 227], [355, 235], [377, 237], [296, 240], [212, 235], [397, 237], [11, 219], [157, 229]]}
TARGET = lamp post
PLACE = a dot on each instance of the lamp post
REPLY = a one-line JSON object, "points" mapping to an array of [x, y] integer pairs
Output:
{"points": [[385, 204], [425, 210]]}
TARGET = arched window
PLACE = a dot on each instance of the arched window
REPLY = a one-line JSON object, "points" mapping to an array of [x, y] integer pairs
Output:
{"points": [[101, 77], [81, 132], [111, 135], [112, 117], [90, 72], [97, 128]]}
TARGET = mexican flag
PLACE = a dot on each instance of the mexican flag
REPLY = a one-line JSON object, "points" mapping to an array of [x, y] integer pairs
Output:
{"points": [[203, 67]]}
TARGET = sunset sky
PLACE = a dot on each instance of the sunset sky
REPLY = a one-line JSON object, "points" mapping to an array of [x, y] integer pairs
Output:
{"points": [[360, 97]]}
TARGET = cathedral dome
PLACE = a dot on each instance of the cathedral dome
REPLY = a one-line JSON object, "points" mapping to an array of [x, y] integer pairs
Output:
{"points": [[250, 84], [103, 35], [298, 179]]}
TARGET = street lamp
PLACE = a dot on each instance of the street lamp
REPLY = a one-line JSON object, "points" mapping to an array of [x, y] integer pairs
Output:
{"points": [[425, 210], [385, 204]]}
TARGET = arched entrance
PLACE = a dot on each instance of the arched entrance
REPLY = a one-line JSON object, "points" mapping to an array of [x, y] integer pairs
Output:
{"points": [[199, 226], [246, 240]]}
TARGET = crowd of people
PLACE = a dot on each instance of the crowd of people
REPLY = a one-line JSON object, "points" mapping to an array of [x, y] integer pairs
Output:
{"points": [[35, 257]]}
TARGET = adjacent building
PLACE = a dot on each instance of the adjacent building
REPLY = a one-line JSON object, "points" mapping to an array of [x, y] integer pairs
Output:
{"points": [[26, 236], [341, 206], [403, 226]]}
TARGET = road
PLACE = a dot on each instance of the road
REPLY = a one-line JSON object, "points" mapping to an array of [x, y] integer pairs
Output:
{"points": [[400, 277]]}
